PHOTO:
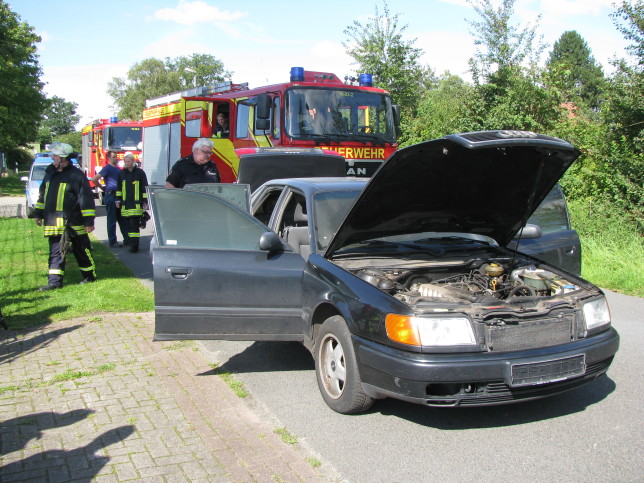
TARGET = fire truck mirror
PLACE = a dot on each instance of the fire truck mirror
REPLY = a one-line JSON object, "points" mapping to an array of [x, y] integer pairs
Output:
{"points": [[263, 108], [262, 124]]}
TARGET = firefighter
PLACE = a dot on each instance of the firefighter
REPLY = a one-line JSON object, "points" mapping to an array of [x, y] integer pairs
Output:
{"points": [[196, 168], [132, 198], [66, 205]]}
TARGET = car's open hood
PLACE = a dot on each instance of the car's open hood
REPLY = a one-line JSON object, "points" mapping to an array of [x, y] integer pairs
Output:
{"points": [[258, 165], [485, 183]]}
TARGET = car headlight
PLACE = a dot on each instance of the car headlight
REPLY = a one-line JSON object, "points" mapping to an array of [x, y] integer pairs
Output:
{"points": [[596, 314], [429, 331]]}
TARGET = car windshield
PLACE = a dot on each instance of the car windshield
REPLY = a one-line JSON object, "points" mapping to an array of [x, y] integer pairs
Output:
{"points": [[38, 172], [330, 209], [339, 115]]}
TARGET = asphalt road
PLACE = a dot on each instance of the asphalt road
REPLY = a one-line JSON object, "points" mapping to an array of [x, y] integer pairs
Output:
{"points": [[594, 433]]}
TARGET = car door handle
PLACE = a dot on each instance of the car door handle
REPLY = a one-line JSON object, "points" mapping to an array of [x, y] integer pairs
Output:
{"points": [[179, 273]]}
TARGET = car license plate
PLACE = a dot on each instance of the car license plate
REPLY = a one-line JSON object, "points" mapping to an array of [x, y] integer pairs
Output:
{"points": [[547, 371]]}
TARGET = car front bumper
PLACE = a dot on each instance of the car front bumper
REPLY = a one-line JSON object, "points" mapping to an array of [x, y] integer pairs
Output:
{"points": [[480, 379]]}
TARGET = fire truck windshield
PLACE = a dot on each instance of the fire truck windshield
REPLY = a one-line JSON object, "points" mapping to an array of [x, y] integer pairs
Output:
{"points": [[122, 137], [339, 114]]}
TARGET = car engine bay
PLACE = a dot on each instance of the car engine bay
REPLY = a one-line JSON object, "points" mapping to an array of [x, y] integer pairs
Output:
{"points": [[492, 281]]}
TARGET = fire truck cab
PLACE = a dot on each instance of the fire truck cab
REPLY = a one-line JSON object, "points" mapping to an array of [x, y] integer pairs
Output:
{"points": [[312, 110], [103, 135]]}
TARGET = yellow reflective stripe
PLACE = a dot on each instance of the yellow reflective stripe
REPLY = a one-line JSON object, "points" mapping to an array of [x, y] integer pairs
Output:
{"points": [[40, 206], [56, 271], [136, 190], [92, 268], [90, 212], [46, 190], [80, 229], [134, 234], [54, 230], [60, 199], [123, 190], [132, 212]]}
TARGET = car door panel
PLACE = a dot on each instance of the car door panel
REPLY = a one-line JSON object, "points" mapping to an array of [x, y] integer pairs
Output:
{"points": [[222, 291]]}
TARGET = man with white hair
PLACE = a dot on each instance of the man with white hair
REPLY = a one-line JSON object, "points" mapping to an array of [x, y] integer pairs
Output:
{"points": [[195, 168], [66, 208]]}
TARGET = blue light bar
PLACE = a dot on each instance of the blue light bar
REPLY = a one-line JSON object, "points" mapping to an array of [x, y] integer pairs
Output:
{"points": [[113, 119], [366, 80], [297, 74]]}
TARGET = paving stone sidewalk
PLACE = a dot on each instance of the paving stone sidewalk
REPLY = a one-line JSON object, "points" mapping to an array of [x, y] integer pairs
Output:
{"points": [[94, 399]]}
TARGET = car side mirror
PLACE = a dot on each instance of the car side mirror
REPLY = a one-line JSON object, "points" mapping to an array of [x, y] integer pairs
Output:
{"points": [[24, 178], [270, 242], [530, 231]]}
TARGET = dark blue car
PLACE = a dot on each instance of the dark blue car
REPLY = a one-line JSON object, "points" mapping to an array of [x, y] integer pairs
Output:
{"points": [[401, 286]]}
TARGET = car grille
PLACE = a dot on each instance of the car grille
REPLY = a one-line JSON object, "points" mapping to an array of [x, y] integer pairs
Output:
{"points": [[497, 392], [529, 334]]}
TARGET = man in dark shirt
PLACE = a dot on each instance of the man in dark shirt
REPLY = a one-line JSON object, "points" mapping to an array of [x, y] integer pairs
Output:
{"points": [[110, 174], [196, 168]]}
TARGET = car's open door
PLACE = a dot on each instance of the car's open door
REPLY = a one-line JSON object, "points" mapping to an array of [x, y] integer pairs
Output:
{"points": [[214, 279]]}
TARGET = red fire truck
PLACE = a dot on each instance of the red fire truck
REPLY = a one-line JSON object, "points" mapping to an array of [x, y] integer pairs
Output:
{"points": [[313, 109], [103, 135]]}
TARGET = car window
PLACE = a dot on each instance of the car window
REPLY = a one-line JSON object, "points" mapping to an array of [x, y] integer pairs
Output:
{"points": [[191, 219], [263, 209], [38, 172], [294, 213], [330, 209], [552, 214]]}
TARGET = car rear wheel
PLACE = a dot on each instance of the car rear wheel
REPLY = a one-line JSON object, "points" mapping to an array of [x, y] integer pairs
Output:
{"points": [[337, 370]]}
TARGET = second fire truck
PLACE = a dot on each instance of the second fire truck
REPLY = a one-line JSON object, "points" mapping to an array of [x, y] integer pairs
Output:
{"points": [[103, 135]]}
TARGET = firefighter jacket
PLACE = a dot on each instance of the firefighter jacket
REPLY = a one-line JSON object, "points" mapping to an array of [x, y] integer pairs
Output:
{"points": [[65, 198], [187, 171], [131, 191]]}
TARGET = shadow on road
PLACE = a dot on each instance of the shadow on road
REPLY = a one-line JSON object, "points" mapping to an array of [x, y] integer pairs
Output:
{"points": [[293, 356], [268, 357]]}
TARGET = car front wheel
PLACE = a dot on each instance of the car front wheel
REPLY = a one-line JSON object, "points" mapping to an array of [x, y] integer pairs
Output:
{"points": [[337, 370]]}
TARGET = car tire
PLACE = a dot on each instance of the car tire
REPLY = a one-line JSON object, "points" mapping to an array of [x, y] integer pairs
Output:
{"points": [[336, 369]]}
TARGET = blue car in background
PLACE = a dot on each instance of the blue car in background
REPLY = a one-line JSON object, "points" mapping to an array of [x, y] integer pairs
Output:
{"points": [[35, 178]]}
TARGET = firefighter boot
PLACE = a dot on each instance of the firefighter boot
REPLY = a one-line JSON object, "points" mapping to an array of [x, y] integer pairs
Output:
{"points": [[55, 281], [87, 279]]}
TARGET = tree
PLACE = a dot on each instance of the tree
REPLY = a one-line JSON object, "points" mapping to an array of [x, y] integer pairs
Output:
{"points": [[632, 13], [21, 99], [581, 78], [378, 48], [441, 111], [154, 77], [59, 118], [500, 45]]}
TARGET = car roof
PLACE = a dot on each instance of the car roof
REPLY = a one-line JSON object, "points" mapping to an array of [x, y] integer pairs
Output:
{"points": [[47, 161], [309, 186]]}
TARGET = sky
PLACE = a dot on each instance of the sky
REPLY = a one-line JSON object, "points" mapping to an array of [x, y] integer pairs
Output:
{"points": [[85, 45]]}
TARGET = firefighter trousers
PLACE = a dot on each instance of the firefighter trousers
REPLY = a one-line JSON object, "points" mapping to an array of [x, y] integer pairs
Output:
{"points": [[81, 248], [133, 224]]}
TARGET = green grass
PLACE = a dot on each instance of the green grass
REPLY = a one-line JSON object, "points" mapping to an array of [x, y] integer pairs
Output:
{"points": [[11, 185], [286, 436], [229, 378], [23, 268], [612, 247]]}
